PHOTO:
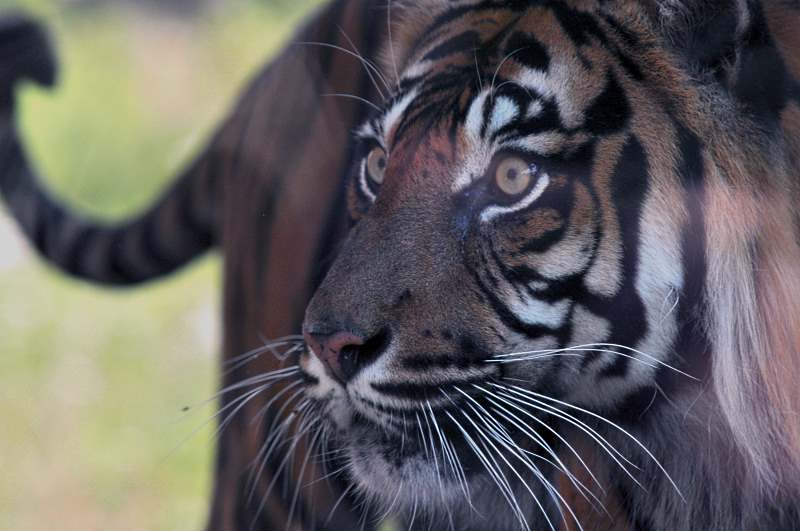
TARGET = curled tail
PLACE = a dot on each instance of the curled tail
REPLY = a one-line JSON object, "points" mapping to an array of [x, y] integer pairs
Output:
{"points": [[179, 227]]}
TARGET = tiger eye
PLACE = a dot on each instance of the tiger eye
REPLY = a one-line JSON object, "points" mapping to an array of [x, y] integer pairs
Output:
{"points": [[513, 175], [376, 164]]}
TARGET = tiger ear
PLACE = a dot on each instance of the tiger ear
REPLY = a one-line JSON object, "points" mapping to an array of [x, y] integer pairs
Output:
{"points": [[728, 42]]}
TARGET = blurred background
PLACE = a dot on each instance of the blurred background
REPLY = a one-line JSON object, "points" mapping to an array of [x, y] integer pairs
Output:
{"points": [[93, 381]]}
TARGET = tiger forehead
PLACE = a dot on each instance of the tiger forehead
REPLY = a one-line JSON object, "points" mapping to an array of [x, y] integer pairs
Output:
{"points": [[546, 80], [546, 52], [480, 37]]}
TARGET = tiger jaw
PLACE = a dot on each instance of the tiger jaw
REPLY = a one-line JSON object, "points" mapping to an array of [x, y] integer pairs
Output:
{"points": [[377, 451], [393, 461]]}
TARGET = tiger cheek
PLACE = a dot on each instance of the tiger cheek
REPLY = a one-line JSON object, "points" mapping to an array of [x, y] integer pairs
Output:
{"points": [[542, 226], [573, 252]]}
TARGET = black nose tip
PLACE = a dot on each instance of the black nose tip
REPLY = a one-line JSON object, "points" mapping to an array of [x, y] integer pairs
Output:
{"points": [[344, 354]]}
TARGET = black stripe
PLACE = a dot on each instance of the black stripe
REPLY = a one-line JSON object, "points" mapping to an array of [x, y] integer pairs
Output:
{"points": [[610, 111], [693, 345], [120, 269], [424, 391], [629, 186], [201, 232], [427, 362], [465, 42], [73, 261], [152, 248]]}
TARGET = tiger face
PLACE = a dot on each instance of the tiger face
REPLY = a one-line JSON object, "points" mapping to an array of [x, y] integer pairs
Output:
{"points": [[522, 239]]}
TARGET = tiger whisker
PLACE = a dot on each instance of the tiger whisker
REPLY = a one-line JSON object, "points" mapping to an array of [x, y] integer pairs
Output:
{"points": [[253, 380], [279, 471], [341, 498], [435, 459], [500, 65], [368, 66], [494, 474], [487, 441], [273, 441], [245, 397], [567, 352], [387, 511], [531, 431], [665, 315], [391, 41], [277, 342], [422, 436], [326, 476], [589, 347], [607, 447], [458, 472], [299, 476], [352, 97], [617, 427], [263, 410], [403, 433], [501, 435], [557, 463], [413, 513], [240, 402], [363, 518], [492, 468], [477, 69]]}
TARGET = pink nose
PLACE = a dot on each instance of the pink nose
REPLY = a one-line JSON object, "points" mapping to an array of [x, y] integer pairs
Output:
{"points": [[338, 352]]}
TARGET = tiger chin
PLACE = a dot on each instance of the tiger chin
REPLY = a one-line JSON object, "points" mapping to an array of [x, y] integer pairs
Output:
{"points": [[543, 296]]}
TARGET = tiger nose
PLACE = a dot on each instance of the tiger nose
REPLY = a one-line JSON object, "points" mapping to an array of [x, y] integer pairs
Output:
{"points": [[340, 352]]}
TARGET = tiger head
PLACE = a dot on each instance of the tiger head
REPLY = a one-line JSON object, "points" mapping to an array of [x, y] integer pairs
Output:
{"points": [[558, 207]]}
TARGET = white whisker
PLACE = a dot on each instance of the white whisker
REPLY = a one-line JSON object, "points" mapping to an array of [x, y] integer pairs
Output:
{"points": [[352, 97], [591, 347], [615, 426]]}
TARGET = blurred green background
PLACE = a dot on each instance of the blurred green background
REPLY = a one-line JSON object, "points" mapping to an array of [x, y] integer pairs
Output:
{"points": [[92, 381]]}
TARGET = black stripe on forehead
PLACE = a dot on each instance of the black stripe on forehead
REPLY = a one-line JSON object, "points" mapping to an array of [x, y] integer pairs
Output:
{"points": [[609, 113], [453, 15], [460, 43], [580, 26], [526, 50]]}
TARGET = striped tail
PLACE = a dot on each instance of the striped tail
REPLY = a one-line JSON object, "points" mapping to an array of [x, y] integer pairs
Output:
{"points": [[179, 227]]}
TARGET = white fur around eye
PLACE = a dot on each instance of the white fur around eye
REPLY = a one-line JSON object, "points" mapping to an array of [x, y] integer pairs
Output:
{"points": [[505, 110], [495, 210], [362, 181]]}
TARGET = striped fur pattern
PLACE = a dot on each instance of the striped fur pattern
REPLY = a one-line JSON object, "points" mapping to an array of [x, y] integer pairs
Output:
{"points": [[613, 344], [635, 296]]}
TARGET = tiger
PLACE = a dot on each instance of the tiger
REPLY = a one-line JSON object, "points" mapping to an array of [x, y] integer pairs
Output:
{"points": [[543, 257]]}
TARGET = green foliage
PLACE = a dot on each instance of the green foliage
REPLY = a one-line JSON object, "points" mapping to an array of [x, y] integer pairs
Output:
{"points": [[92, 381]]}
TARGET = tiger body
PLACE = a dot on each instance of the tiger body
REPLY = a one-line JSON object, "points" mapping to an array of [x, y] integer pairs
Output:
{"points": [[561, 265]]}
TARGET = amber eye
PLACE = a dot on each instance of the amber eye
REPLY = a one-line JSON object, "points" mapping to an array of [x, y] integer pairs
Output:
{"points": [[376, 164], [513, 175]]}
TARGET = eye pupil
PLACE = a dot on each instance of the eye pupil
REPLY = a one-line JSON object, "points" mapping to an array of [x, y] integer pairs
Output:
{"points": [[512, 174]]}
